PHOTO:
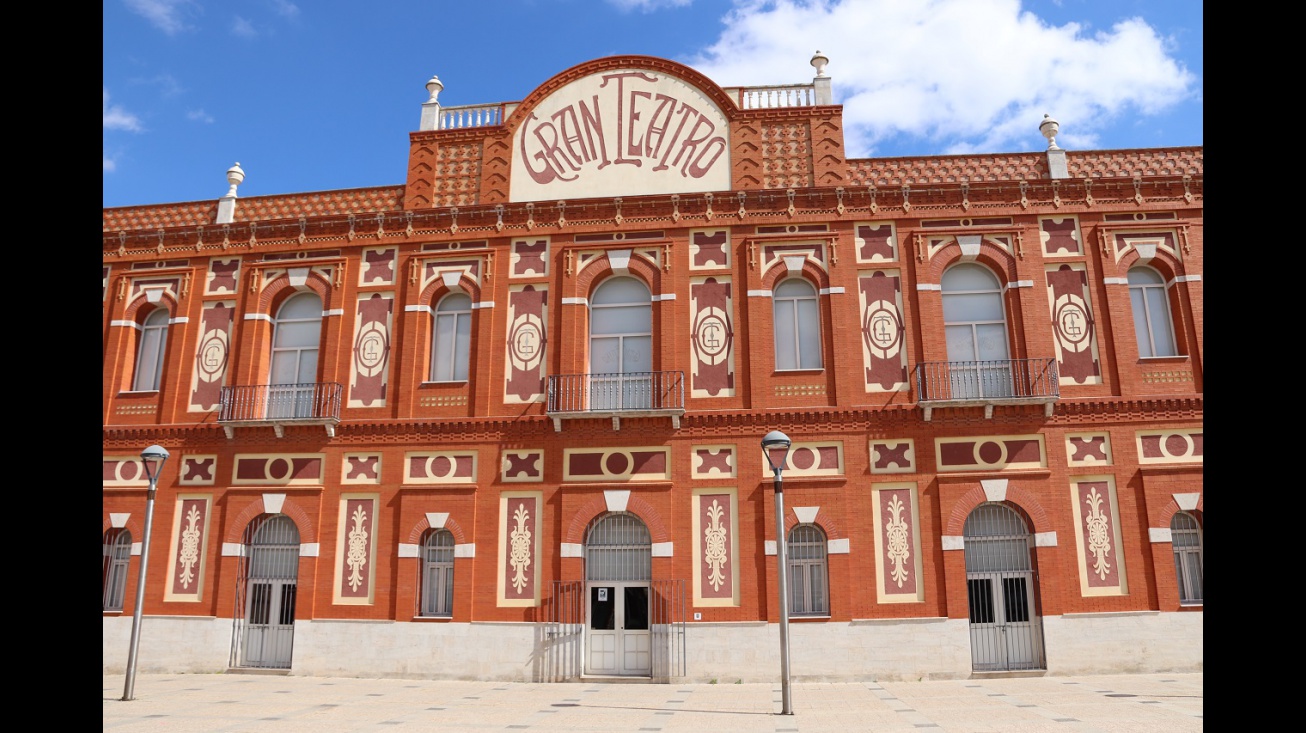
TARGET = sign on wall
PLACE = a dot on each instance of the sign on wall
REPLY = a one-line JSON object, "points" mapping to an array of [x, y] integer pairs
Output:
{"points": [[621, 132]]}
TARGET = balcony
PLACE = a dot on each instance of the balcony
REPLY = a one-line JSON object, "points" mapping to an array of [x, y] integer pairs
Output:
{"points": [[987, 383], [635, 394], [278, 405]]}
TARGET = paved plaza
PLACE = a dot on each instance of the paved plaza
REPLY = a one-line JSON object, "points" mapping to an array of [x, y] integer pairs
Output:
{"points": [[250, 703]]}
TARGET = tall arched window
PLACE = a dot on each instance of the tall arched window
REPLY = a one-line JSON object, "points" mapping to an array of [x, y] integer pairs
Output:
{"points": [[149, 355], [1186, 539], [1151, 306], [809, 585], [293, 374], [797, 320], [975, 326], [621, 345], [117, 556], [437, 573], [451, 338]]}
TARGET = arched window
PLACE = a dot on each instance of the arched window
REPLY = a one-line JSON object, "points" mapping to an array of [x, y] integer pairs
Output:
{"points": [[451, 338], [1151, 306], [117, 556], [621, 345], [809, 586], [797, 322], [975, 326], [293, 375], [149, 355], [1186, 539], [437, 573]]}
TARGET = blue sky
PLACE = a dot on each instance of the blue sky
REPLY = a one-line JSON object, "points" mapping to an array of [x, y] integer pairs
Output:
{"points": [[312, 96]]}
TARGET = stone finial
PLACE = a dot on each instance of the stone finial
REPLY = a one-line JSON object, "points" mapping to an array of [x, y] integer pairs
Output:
{"points": [[234, 176], [1049, 128], [819, 62], [434, 86]]}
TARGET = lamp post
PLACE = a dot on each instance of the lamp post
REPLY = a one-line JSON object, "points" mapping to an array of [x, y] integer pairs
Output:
{"points": [[776, 446], [153, 458]]}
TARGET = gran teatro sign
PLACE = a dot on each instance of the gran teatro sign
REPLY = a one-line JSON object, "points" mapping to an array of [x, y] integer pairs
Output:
{"points": [[621, 133]]}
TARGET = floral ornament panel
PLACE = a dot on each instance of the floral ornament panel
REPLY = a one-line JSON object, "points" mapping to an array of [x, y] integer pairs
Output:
{"points": [[188, 554], [716, 567], [519, 548], [898, 547], [211, 356], [356, 550], [1098, 545]]}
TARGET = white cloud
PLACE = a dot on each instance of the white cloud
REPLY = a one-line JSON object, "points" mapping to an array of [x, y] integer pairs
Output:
{"points": [[285, 8], [199, 115], [117, 118], [243, 28], [963, 74], [109, 164], [162, 14], [648, 6]]}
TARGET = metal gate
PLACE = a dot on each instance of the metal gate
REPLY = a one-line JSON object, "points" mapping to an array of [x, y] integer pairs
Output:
{"points": [[1006, 632], [264, 627]]}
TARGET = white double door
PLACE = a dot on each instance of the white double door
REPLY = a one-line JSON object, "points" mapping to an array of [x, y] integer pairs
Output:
{"points": [[617, 633]]}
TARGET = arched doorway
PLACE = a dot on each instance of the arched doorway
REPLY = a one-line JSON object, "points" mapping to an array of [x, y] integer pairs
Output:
{"points": [[1006, 632], [265, 594], [618, 571]]}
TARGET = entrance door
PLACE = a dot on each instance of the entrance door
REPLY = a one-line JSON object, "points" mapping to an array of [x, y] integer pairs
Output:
{"points": [[265, 632], [1006, 632], [619, 629]]}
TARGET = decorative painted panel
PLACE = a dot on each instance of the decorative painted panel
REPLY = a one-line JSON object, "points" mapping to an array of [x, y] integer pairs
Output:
{"points": [[197, 470], [223, 276], [1088, 449], [378, 266], [355, 563], [1060, 236], [440, 467], [893, 456], [811, 459], [212, 351], [124, 471], [884, 353], [361, 468], [875, 241], [1169, 446], [284, 469], [716, 547], [898, 544], [990, 453], [709, 249], [713, 461], [616, 464], [711, 306], [527, 316], [368, 370], [152, 289], [530, 257], [1147, 244], [810, 251], [522, 465], [1073, 329], [188, 554], [1097, 522], [449, 270], [519, 548]]}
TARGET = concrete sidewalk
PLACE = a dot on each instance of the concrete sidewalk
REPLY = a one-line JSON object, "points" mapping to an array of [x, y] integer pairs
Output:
{"points": [[193, 703]]}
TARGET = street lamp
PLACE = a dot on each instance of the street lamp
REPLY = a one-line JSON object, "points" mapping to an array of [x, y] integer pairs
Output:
{"points": [[775, 446], [153, 459]]}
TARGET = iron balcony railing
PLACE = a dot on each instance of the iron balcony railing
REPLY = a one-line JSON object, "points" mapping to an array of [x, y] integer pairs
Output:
{"points": [[312, 403], [987, 383], [633, 394]]}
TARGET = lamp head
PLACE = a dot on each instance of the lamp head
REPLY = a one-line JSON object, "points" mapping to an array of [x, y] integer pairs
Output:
{"points": [[153, 458], [775, 446]]}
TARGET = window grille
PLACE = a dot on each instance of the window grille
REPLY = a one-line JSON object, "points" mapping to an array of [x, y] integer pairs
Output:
{"points": [[808, 574], [437, 574], [1186, 539], [618, 549], [117, 558]]}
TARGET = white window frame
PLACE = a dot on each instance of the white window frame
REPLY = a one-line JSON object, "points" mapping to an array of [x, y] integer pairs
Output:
{"points": [[451, 338], [808, 560], [1149, 301], [437, 574], [796, 325], [151, 350]]}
